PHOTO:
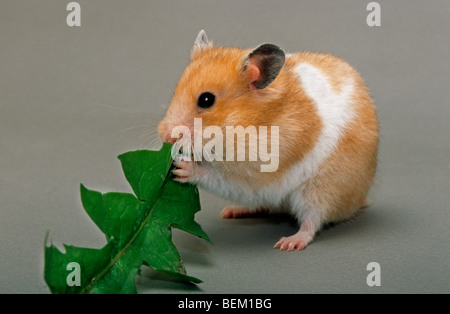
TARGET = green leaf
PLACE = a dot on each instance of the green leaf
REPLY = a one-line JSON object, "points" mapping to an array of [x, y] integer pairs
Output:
{"points": [[146, 171], [187, 196], [118, 215], [137, 228], [91, 262]]}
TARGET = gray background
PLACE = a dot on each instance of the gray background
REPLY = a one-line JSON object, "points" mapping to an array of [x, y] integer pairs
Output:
{"points": [[72, 99]]}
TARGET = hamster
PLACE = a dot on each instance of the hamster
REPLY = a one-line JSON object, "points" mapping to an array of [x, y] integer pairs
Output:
{"points": [[327, 133]]}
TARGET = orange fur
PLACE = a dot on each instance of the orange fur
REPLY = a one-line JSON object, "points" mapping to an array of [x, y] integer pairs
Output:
{"points": [[342, 182]]}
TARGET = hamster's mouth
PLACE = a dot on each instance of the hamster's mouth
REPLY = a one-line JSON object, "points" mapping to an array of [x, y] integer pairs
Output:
{"points": [[185, 154], [183, 150], [190, 152]]}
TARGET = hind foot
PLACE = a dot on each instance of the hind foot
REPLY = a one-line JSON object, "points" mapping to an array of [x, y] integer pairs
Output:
{"points": [[298, 241], [240, 212]]}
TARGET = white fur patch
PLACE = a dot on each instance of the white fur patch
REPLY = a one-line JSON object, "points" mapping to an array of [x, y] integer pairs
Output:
{"points": [[335, 110]]}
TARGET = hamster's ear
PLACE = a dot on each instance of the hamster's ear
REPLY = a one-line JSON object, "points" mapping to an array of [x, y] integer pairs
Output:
{"points": [[263, 64], [201, 42]]}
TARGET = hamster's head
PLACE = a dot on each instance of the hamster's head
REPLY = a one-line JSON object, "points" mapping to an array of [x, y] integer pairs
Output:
{"points": [[225, 87]]}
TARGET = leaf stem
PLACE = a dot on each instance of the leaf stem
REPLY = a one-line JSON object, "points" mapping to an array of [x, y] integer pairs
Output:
{"points": [[126, 247]]}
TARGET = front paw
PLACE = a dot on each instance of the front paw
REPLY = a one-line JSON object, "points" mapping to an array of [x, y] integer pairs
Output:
{"points": [[184, 172]]}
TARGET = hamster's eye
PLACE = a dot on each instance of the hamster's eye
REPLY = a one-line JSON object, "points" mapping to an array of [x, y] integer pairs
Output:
{"points": [[206, 100]]}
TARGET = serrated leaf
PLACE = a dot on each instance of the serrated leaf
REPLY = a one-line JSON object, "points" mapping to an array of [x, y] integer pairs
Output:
{"points": [[118, 215], [146, 171], [187, 195], [138, 229], [91, 261]]}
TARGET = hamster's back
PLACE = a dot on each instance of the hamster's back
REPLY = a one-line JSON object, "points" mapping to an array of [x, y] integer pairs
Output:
{"points": [[341, 165]]}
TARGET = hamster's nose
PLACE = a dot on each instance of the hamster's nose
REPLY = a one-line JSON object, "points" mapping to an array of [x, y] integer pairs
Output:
{"points": [[168, 138], [172, 140]]}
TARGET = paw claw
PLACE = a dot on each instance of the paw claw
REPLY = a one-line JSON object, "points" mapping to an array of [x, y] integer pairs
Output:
{"points": [[239, 212], [180, 172], [181, 179], [291, 243], [184, 171], [233, 211]]}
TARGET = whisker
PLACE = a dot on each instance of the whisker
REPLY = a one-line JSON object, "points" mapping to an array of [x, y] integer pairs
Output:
{"points": [[116, 108], [133, 127]]}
